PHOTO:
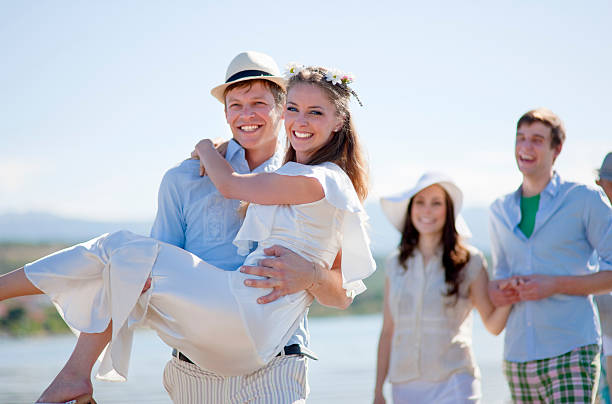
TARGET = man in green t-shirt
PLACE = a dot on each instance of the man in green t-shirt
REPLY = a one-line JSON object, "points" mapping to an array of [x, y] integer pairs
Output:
{"points": [[542, 236]]}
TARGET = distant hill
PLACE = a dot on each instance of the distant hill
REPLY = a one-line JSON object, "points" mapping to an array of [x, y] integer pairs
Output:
{"points": [[36, 227], [478, 220]]}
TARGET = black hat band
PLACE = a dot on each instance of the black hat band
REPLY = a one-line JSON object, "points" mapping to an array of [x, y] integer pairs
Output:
{"points": [[247, 73]]}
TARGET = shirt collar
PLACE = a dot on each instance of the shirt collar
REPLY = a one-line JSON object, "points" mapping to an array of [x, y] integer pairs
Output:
{"points": [[548, 194], [234, 150], [551, 189], [274, 162]]}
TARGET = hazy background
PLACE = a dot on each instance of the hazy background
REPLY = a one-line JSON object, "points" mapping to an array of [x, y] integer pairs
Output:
{"points": [[98, 99]]}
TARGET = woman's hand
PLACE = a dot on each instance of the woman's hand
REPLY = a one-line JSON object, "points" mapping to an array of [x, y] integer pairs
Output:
{"points": [[219, 144], [202, 146], [379, 398]]}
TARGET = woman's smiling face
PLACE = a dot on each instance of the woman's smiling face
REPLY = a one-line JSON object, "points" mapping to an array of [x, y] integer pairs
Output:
{"points": [[310, 120], [428, 212]]}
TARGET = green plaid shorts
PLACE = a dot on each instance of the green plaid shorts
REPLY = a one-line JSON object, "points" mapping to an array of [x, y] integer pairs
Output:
{"points": [[567, 378]]}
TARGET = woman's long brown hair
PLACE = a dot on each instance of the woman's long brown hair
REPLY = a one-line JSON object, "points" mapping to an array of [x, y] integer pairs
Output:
{"points": [[343, 147], [454, 256]]}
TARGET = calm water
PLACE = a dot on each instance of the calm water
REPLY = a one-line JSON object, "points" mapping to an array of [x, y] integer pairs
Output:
{"points": [[344, 374]]}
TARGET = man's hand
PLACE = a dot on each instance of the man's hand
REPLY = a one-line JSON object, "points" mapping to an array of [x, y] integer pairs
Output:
{"points": [[219, 144], [536, 287], [520, 288], [287, 272], [503, 292]]}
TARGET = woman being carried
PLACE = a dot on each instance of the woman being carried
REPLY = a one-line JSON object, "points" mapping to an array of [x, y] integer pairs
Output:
{"points": [[311, 205], [433, 283]]}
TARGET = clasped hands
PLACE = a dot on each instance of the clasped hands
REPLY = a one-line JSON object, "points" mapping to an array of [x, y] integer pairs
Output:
{"points": [[521, 288]]}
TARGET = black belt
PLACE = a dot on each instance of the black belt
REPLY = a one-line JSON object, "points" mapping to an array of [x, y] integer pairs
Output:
{"points": [[293, 349], [178, 355]]}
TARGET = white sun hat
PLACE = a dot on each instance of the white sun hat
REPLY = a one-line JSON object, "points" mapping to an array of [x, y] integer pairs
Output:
{"points": [[250, 65], [395, 206]]}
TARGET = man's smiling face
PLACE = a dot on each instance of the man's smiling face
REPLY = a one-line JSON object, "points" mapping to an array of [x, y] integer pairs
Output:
{"points": [[533, 150], [253, 116]]}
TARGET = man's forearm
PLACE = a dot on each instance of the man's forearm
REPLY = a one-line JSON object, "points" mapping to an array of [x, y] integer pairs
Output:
{"points": [[592, 284], [327, 288], [537, 287]]}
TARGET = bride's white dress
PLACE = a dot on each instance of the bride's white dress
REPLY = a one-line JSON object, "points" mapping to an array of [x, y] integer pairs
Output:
{"points": [[205, 312]]}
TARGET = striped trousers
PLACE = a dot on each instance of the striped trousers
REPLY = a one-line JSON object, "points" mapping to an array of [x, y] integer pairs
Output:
{"points": [[282, 381]]}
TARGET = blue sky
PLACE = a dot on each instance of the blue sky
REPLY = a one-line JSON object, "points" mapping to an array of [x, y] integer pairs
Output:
{"points": [[98, 99]]}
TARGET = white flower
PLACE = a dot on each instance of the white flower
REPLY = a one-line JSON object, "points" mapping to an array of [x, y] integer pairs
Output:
{"points": [[293, 68], [334, 75]]}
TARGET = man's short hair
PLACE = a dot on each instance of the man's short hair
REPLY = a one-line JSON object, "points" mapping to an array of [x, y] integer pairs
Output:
{"points": [[548, 118], [277, 92]]}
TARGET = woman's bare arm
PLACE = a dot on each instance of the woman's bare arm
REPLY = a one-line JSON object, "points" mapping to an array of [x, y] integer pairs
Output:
{"points": [[384, 349], [260, 188], [494, 318]]}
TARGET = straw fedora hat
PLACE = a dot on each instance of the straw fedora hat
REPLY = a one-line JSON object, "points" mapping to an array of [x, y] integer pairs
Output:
{"points": [[395, 206], [249, 65]]}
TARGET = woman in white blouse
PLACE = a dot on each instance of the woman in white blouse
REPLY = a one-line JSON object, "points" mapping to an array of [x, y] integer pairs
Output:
{"points": [[433, 282]]}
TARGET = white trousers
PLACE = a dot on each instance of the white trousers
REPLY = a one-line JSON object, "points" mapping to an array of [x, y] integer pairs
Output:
{"points": [[460, 388], [203, 311], [282, 381]]}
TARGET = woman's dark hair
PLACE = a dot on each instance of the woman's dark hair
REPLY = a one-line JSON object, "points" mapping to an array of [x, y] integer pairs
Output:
{"points": [[343, 147], [454, 256]]}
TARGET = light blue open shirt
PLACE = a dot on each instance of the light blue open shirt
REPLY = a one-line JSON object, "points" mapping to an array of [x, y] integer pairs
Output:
{"points": [[572, 221], [193, 215]]}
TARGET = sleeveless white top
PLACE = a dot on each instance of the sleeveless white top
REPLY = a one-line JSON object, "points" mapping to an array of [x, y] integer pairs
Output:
{"points": [[432, 340]]}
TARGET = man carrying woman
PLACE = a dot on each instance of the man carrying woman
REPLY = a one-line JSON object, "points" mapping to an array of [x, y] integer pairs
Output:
{"points": [[193, 215], [209, 314]]}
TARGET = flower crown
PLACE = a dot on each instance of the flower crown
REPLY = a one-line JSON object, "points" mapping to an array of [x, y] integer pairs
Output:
{"points": [[335, 76]]}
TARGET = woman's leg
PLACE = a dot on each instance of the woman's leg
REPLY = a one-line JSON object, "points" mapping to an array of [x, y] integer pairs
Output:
{"points": [[75, 377], [15, 284]]}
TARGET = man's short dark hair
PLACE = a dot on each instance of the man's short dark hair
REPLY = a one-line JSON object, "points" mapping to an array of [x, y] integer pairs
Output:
{"points": [[548, 118], [277, 92]]}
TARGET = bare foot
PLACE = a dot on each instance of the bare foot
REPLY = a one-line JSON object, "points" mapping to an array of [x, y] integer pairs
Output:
{"points": [[66, 387]]}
